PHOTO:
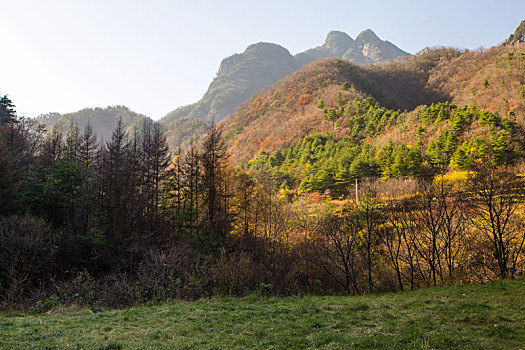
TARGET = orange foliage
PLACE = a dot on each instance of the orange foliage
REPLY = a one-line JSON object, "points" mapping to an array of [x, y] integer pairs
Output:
{"points": [[257, 103], [305, 99], [263, 146]]}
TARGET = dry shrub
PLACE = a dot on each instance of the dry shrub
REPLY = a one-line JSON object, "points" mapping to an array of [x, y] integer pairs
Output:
{"points": [[236, 274], [117, 290], [305, 99], [27, 249], [161, 273]]}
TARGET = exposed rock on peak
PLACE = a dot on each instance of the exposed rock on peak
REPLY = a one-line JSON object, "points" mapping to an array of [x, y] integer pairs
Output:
{"points": [[518, 36], [367, 48], [367, 36], [338, 43], [262, 52], [238, 77]]}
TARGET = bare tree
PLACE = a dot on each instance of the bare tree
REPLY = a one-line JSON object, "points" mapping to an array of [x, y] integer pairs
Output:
{"points": [[368, 216], [430, 213], [494, 195], [336, 244]]}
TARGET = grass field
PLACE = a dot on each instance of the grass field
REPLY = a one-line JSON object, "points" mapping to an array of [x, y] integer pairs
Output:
{"points": [[454, 317]]}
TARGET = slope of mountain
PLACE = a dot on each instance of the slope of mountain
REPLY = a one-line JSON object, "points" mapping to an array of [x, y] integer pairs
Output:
{"points": [[262, 64], [103, 120], [326, 97]]}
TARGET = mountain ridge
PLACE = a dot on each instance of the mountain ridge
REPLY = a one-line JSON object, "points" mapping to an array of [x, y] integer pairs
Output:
{"points": [[241, 75], [214, 106]]}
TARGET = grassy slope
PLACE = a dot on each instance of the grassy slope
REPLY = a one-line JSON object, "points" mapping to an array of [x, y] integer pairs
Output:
{"points": [[462, 317]]}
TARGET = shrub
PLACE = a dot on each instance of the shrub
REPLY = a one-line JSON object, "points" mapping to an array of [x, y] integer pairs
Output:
{"points": [[305, 99], [27, 251]]}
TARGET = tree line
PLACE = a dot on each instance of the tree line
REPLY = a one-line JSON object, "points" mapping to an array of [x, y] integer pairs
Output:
{"points": [[124, 221]]}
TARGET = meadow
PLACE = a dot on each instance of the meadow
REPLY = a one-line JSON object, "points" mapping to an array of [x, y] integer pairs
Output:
{"points": [[490, 316]]}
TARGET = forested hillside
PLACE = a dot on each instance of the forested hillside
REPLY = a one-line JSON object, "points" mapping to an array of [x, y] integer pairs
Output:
{"points": [[238, 78], [441, 109]]}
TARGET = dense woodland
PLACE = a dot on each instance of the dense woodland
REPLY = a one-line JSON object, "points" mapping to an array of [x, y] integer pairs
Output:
{"points": [[123, 221], [339, 179]]}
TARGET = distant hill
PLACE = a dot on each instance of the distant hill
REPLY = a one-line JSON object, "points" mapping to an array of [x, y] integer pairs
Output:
{"points": [[262, 64], [103, 120]]}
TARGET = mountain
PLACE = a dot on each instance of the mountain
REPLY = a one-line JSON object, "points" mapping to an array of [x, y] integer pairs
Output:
{"points": [[261, 65], [415, 104], [103, 120], [238, 77], [366, 48]]}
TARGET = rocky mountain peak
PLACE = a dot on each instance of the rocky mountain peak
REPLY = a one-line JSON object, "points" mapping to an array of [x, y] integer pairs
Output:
{"points": [[261, 51], [338, 42], [368, 36]]}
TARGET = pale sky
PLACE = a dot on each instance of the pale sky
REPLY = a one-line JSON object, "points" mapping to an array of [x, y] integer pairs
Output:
{"points": [[156, 55]]}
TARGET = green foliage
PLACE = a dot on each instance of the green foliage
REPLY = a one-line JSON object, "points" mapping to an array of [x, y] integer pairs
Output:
{"points": [[449, 148], [319, 163], [331, 114], [7, 110], [453, 317], [436, 113], [366, 118], [265, 289], [322, 162], [45, 305], [400, 161], [341, 100]]}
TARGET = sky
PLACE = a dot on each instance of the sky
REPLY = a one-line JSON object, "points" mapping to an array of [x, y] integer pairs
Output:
{"points": [[156, 55]]}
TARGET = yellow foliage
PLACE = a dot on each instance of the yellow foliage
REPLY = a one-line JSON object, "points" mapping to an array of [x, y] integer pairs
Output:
{"points": [[455, 176]]}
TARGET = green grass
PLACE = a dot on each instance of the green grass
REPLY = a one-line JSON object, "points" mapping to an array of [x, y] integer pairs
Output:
{"points": [[454, 317]]}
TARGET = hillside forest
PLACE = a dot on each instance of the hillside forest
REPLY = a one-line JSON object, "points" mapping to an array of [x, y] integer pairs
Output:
{"points": [[338, 179]]}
